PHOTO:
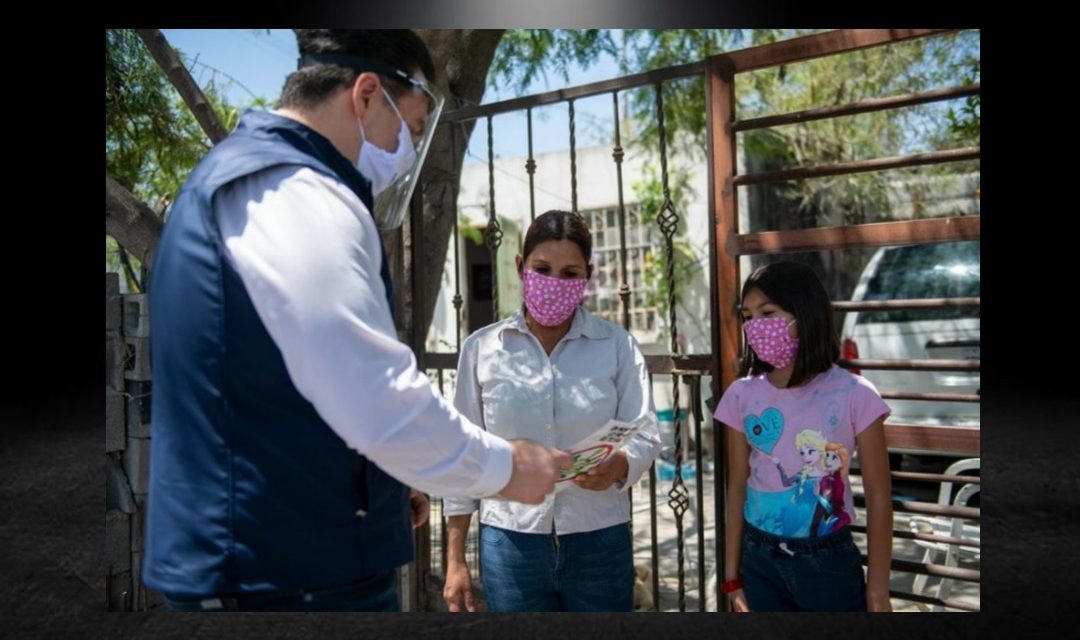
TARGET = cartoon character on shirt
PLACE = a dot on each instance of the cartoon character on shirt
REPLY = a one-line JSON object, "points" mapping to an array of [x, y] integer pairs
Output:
{"points": [[811, 445], [829, 515], [797, 515]]}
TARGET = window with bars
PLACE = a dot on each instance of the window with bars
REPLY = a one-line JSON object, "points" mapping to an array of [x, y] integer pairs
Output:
{"points": [[604, 298]]}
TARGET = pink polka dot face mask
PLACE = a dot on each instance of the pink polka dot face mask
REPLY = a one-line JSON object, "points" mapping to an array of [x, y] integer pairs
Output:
{"points": [[551, 301], [769, 339]]}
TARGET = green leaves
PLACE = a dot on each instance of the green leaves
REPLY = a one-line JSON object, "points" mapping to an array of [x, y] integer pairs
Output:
{"points": [[523, 54], [152, 141]]}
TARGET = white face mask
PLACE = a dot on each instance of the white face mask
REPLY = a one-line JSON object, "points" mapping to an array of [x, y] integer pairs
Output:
{"points": [[381, 166]]}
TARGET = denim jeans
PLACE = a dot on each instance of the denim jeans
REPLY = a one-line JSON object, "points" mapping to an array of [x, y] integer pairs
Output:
{"points": [[590, 571], [802, 574], [377, 593]]}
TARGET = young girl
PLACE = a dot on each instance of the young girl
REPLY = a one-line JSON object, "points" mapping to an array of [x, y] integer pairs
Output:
{"points": [[792, 419], [554, 373]]}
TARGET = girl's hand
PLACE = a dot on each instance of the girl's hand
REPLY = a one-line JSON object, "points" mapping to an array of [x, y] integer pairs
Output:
{"points": [[877, 487], [738, 601], [878, 601]]}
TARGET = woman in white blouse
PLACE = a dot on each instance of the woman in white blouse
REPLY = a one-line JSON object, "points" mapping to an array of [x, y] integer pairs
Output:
{"points": [[553, 373]]}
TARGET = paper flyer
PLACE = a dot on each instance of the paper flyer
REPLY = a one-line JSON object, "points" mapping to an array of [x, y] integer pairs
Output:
{"points": [[596, 448]]}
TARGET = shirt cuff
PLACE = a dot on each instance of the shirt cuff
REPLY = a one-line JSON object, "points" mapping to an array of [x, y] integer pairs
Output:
{"points": [[500, 465], [636, 466], [459, 506]]}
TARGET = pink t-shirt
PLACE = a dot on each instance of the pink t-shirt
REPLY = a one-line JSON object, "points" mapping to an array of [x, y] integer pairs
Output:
{"points": [[801, 443]]}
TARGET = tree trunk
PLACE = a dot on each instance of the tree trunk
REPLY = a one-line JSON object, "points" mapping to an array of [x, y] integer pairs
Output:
{"points": [[462, 58], [134, 225]]}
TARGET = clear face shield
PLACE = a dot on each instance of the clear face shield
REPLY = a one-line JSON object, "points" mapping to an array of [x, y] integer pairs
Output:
{"points": [[392, 203]]}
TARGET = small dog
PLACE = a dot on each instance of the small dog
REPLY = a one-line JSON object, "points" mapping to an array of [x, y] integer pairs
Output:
{"points": [[643, 595]]}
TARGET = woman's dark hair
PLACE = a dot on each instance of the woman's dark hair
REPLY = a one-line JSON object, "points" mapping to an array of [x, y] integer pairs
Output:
{"points": [[559, 225], [795, 288]]}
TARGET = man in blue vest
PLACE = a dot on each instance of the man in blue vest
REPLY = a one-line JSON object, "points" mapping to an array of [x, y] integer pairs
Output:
{"points": [[288, 420]]}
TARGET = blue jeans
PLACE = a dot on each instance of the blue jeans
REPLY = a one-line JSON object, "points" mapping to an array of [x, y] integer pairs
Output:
{"points": [[802, 574], [591, 571], [377, 593]]}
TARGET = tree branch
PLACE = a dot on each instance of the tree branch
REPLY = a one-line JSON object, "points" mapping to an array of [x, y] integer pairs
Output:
{"points": [[178, 75], [134, 225]]}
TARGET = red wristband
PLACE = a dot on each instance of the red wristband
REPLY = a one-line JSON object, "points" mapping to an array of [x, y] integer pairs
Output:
{"points": [[731, 585]]}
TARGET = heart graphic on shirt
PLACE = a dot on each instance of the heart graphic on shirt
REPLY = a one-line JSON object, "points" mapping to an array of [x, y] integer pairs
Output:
{"points": [[764, 432]]}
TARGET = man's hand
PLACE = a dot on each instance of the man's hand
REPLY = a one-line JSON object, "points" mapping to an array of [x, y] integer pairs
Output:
{"points": [[418, 508], [536, 468]]}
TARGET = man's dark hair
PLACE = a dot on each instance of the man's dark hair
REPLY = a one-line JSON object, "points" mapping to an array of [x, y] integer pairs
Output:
{"points": [[399, 48]]}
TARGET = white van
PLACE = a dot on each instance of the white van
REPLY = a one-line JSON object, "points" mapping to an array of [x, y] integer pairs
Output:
{"points": [[946, 270]]}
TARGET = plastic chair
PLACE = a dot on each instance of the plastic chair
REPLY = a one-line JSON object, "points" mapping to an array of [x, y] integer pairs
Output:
{"points": [[948, 553]]}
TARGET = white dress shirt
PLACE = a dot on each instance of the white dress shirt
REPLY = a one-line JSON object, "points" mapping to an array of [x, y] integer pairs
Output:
{"points": [[508, 384], [308, 253]]}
